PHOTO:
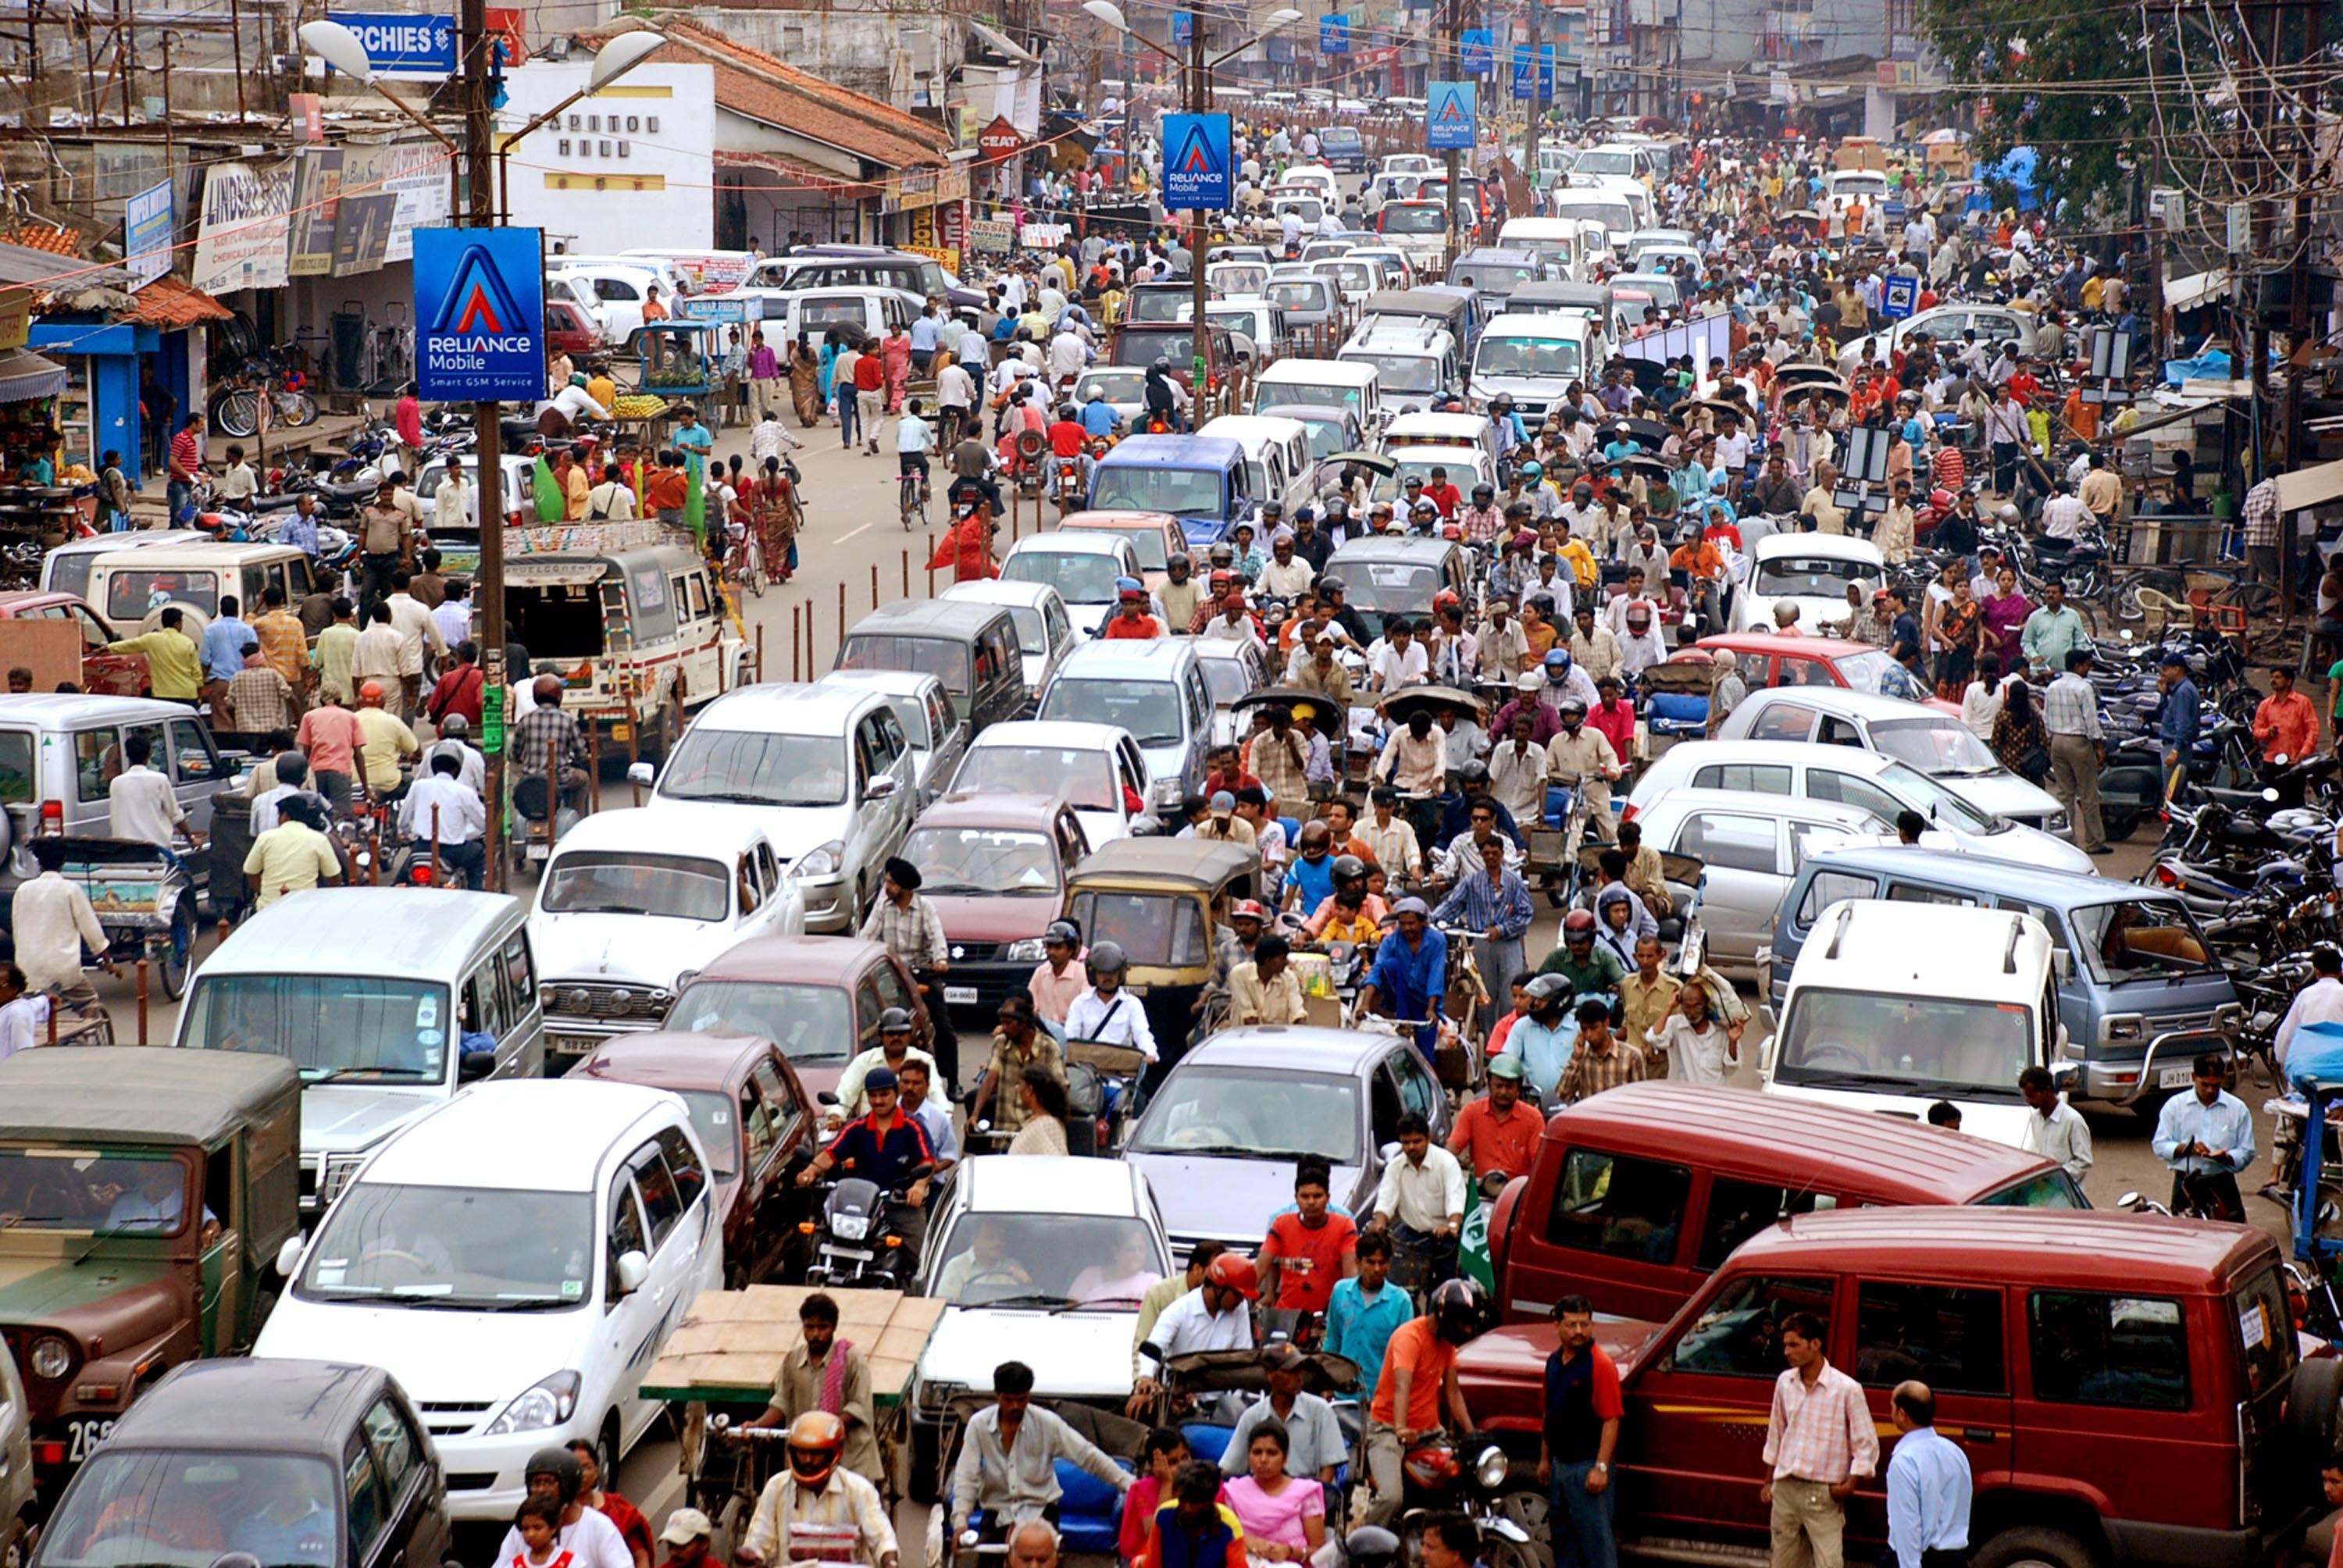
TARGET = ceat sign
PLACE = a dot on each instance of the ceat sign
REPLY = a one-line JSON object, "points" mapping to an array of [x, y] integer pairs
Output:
{"points": [[999, 139]]}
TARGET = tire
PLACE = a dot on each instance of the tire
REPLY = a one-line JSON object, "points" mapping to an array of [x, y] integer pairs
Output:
{"points": [[2031, 1546], [658, 743], [178, 955], [297, 410], [237, 414], [1498, 1552], [2119, 825], [2310, 1411], [605, 1447]]}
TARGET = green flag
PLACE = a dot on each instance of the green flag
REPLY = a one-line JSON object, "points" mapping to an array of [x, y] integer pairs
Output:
{"points": [[695, 497], [552, 506]]}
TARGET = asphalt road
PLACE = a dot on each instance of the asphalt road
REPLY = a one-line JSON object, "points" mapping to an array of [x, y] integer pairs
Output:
{"points": [[854, 554]]}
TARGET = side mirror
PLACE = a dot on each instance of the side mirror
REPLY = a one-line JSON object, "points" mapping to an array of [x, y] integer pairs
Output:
{"points": [[288, 1257], [2131, 1202], [878, 788], [1389, 1151], [633, 1269], [2065, 1075], [2062, 964], [826, 1097], [640, 773], [475, 1065]]}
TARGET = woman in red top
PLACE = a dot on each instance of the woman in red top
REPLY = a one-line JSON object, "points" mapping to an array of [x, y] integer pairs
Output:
{"points": [[633, 1527]]}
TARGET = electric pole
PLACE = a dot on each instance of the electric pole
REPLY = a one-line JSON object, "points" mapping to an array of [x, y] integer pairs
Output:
{"points": [[1200, 101], [479, 152], [1446, 65], [1529, 137]]}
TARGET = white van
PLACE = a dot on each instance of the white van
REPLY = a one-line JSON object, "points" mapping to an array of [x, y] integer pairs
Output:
{"points": [[1355, 384], [1533, 359], [1596, 204], [704, 271], [1277, 452], [1414, 357], [516, 1285], [1555, 241], [614, 293], [1892, 1007]]}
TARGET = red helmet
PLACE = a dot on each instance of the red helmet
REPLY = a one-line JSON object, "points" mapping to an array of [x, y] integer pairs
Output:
{"points": [[1235, 1272]]}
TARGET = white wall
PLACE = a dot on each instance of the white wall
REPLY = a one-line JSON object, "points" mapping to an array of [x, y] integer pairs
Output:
{"points": [[657, 124]]}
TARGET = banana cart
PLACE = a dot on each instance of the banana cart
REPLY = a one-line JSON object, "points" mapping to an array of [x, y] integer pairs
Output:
{"points": [[717, 1371]]}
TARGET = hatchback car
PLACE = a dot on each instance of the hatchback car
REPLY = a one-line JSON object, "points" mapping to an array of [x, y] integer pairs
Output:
{"points": [[1233, 671], [1934, 742], [1124, 387], [1082, 567], [1156, 536], [324, 1464], [1045, 632], [1098, 767], [1811, 571], [818, 999], [937, 730], [1154, 688], [1220, 1139], [994, 866], [1769, 658]]}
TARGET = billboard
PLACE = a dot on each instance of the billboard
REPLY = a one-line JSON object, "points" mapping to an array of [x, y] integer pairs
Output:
{"points": [[1196, 162], [402, 43], [479, 314], [146, 235], [1449, 117]]}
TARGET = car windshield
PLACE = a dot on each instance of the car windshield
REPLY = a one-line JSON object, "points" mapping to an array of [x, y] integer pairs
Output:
{"points": [[750, 767], [130, 595], [332, 1028], [715, 1116], [1232, 280], [1144, 345], [1812, 577], [1934, 801], [1147, 544], [1154, 304], [1556, 358], [1078, 578], [1182, 492], [1863, 671], [945, 657], [1351, 277], [52, 1188], [1226, 678], [1327, 436], [1389, 489], [1044, 1260], [1150, 709], [1402, 373], [1086, 778], [989, 860], [456, 1248], [1658, 290], [1116, 386], [1296, 296], [1390, 587], [1499, 278], [1929, 1047], [1269, 395], [1595, 162], [1253, 1114], [1942, 747], [811, 1022], [183, 1508], [589, 883], [1403, 217], [2138, 939]]}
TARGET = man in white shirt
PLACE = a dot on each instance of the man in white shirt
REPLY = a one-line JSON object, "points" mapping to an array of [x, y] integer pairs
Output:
{"points": [[2320, 1001], [1068, 353], [2055, 1131], [53, 921], [439, 808], [575, 403], [2063, 514], [1107, 1012], [141, 804], [23, 1018], [955, 394], [454, 497], [454, 616], [1215, 1316], [412, 620], [455, 740], [1423, 1188], [1396, 658]]}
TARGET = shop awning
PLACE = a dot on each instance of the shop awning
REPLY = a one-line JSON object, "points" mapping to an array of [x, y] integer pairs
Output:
{"points": [[2309, 487], [22, 264], [2189, 293], [25, 375], [797, 176]]}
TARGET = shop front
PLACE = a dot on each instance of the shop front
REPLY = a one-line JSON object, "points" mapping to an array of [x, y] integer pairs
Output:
{"points": [[97, 408]]}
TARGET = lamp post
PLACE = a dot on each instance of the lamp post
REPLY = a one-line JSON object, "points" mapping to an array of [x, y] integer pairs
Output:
{"points": [[1196, 73], [341, 48]]}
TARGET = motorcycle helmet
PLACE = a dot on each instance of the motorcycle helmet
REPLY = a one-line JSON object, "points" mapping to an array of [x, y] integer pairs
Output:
{"points": [[1484, 494], [1178, 562], [895, 1021], [1235, 1272], [1107, 959], [1557, 663], [1548, 988], [1456, 1309], [2008, 515], [568, 1477], [1061, 933], [1474, 774], [816, 1440], [1371, 1547], [1068, 411], [1348, 868], [1162, 364], [1530, 471], [1576, 924]]}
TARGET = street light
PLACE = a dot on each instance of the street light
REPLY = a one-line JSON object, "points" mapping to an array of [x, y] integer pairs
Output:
{"points": [[342, 49]]}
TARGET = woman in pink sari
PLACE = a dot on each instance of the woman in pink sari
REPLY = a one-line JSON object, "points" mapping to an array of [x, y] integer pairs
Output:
{"points": [[2005, 611], [895, 359]]}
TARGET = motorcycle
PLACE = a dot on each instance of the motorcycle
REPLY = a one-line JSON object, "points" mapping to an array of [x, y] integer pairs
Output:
{"points": [[857, 1245], [1471, 1475]]}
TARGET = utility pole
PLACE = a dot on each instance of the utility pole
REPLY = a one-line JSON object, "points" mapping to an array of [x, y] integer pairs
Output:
{"points": [[479, 153], [1199, 102], [1530, 138], [1447, 68]]}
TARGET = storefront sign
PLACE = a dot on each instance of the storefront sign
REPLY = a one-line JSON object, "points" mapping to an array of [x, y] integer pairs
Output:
{"points": [[15, 318], [1196, 164], [363, 212], [1448, 116], [1479, 47], [403, 45], [146, 235], [417, 174], [943, 256], [316, 180], [306, 114], [480, 311], [992, 235], [242, 241], [1042, 235], [916, 189], [1334, 33], [509, 25], [999, 139]]}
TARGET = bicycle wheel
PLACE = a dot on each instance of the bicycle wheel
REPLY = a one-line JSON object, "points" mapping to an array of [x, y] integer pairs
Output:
{"points": [[295, 410], [237, 414], [907, 500]]}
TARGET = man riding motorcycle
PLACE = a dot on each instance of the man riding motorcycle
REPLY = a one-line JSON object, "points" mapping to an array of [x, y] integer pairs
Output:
{"points": [[817, 1510]]}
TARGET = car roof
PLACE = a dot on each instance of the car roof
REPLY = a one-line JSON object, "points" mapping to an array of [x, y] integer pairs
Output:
{"points": [[1803, 1143], [2051, 887], [1385, 548], [1247, 429], [137, 1093], [1846, 700], [1841, 547], [1035, 813], [1176, 451], [1893, 942], [1052, 1184], [1132, 655], [676, 1059], [15, 601], [1305, 412], [1760, 803], [993, 590], [1775, 642], [1185, 863], [640, 830], [1329, 370], [1115, 520], [1793, 752], [797, 961], [778, 708], [1066, 734], [281, 1407], [62, 709], [2087, 1250], [468, 1141], [890, 682], [401, 932], [1080, 542], [1339, 1051], [910, 616]]}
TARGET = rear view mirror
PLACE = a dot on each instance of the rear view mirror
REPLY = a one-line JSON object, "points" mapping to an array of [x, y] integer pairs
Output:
{"points": [[639, 773], [288, 1257], [633, 1269], [475, 1065]]}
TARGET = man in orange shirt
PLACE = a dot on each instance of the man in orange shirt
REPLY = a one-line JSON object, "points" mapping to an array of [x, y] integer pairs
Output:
{"points": [[1416, 1387], [667, 490], [1310, 1247], [1130, 618], [2286, 723], [1498, 1132]]}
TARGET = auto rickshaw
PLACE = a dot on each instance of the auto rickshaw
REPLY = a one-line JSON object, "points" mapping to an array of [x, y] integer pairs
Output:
{"points": [[1396, 707], [1327, 716], [1166, 903]]}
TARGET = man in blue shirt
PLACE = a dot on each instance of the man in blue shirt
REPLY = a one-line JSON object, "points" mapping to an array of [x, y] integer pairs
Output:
{"points": [[1409, 980], [885, 1146], [2206, 1136], [1099, 417], [694, 441], [925, 333], [1928, 1486], [223, 642], [1542, 1040], [2176, 730], [1366, 1310]]}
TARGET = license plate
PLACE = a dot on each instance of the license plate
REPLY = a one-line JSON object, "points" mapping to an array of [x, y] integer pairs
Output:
{"points": [[2172, 1077], [959, 996], [620, 732], [82, 1437], [571, 1044]]}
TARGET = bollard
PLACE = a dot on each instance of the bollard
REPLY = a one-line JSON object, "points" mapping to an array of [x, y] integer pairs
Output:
{"points": [[760, 659], [795, 673], [874, 585], [593, 764], [142, 999], [810, 668], [52, 1025], [931, 566], [907, 571], [842, 612]]}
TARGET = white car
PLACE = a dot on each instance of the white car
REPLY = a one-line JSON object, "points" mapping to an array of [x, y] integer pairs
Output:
{"points": [[938, 733], [1812, 571], [825, 771], [1929, 738], [1098, 767], [1232, 668], [1845, 772], [1042, 1260], [633, 902], [1045, 632], [1082, 565], [516, 1259]]}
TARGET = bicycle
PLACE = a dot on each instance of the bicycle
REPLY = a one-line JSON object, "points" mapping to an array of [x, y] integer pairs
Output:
{"points": [[911, 497], [744, 563], [235, 409]]}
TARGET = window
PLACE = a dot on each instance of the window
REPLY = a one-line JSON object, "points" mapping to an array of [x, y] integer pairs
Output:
{"points": [[369, 1512], [1723, 842], [520, 978], [1947, 1336], [192, 761], [484, 1005], [1383, 1108], [2050, 1190], [691, 1179], [1612, 1203], [663, 1200], [1839, 732], [696, 586], [2091, 1348], [2266, 1332], [1767, 779], [16, 767], [1828, 887], [393, 1442], [1911, 893], [761, 1128], [1416, 1090], [1812, 839], [98, 758], [868, 1005], [1823, 784], [1739, 1210], [1738, 1333], [891, 990], [627, 1233]]}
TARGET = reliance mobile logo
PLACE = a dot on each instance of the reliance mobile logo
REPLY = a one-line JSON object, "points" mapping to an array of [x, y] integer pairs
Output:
{"points": [[1451, 113], [1196, 160], [478, 306]]}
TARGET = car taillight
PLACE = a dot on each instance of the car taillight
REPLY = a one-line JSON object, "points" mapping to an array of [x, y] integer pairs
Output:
{"points": [[421, 875], [1628, 814], [53, 811]]}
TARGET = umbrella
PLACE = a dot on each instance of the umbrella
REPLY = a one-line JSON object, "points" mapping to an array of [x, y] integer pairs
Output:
{"points": [[1650, 432], [1399, 704], [1792, 375], [1373, 462]]}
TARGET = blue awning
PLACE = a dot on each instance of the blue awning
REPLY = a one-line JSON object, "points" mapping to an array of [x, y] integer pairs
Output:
{"points": [[24, 376]]}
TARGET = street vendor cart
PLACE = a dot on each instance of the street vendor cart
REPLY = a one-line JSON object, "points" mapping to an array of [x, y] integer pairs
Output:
{"points": [[145, 896]]}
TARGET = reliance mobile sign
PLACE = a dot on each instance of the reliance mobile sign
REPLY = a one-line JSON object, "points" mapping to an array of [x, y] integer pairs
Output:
{"points": [[403, 43], [479, 301], [1196, 162]]}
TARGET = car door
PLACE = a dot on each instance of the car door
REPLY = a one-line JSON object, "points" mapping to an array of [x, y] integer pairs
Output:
{"points": [[1781, 721], [630, 1318], [1744, 880], [520, 1051], [366, 1505], [1853, 789], [1949, 1334], [196, 770], [701, 611], [103, 673], [417, 1526]]}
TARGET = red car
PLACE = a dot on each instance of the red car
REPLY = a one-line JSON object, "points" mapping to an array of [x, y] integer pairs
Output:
{"points": [[819, 998], [995, 868], [570, 329], [103, 674], [1770, 659]]}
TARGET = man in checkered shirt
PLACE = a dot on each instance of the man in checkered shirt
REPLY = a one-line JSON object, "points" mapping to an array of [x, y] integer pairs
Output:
{"points": [[546, 743], [2262, 548], [907, 926]]}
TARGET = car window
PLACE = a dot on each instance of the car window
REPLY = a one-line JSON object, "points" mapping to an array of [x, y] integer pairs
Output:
{"points": [[484, 1005], [98, 758], [1721, 840], [2092, 1347], [761, 1127], [1766, 778], [2265, 1328], [683, 1164], [1910, 893], [891, 990], [367, 1511], [1417, 1092], [627, 1232], [393, 1443], [1383, 1108], [192, 761], [1813, 839], [1738, 1332], [1946, 1336], [1824, 784], [16, 767], [662, 1197], [1739, 1210], [1828, 888], [520, 977], [1782, 721], [1615, 1203], [869, 1006], [1839, 732]]}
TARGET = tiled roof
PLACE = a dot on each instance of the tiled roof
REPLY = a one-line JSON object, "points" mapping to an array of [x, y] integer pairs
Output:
{"points": [[43, 236], [170, 305], [763, 88]]}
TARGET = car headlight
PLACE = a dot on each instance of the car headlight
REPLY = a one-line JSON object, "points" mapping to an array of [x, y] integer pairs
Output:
{"points": [[1491, 1468], [823, 862], [2055, 822], [2127, 1027], [542, 1405], [1166, 792], [51, 1357], [852, 1227], [1029, 952]]}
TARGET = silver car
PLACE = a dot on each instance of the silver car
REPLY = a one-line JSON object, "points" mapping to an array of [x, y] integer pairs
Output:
{"points": [[937, 732]]}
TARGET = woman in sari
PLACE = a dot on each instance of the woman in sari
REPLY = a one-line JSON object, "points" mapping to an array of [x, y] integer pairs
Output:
{"points": [[805, 383], [895, 359], [773, 513], [2005, 611], [633, 1527]]}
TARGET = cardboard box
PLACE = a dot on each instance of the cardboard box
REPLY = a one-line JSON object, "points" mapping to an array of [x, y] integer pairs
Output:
{"points": [[51, 649], [1860, 153]]}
